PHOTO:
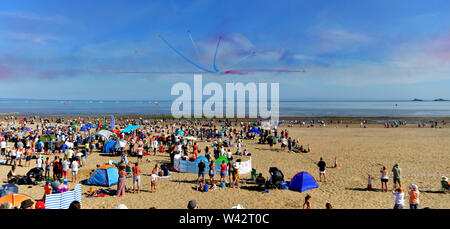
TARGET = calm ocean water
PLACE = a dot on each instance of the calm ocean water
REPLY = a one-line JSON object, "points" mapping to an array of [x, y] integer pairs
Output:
{"points": [[286, 108]]}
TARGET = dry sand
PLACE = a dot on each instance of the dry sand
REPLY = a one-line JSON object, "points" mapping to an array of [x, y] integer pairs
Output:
{"points": [[423, 155]]}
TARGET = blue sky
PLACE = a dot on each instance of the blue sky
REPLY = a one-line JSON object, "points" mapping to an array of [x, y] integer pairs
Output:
{"points": [[349, 49]]}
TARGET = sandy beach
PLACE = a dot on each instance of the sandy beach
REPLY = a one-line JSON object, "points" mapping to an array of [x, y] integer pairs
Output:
{"points": [[422, 153]]}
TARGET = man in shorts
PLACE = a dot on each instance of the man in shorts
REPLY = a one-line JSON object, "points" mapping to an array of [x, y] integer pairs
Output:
{"points": [[28, 153], [396, 170], [136, 178], [140, 153], [322, 165]]}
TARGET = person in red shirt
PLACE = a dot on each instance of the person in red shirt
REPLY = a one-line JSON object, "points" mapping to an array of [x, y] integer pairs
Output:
{"points": [[223, 172]]}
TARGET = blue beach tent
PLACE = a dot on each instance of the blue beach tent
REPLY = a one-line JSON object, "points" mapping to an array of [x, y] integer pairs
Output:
{"points": [[109, 146], [303, 181], [205, 160], [254, 130], [105, 175]]}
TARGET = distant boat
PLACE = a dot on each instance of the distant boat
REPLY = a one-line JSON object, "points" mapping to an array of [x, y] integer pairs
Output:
{"points": [[417, 100], [439, 100]]}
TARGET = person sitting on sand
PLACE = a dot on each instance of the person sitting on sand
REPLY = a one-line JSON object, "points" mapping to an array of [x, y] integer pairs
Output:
{"points": [[260, 180], [399, 198], [445, 183], [12, 173], [62, 187]]}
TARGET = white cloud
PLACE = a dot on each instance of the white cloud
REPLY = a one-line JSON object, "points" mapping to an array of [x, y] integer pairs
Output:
{"points": [[30, 37], [32, 16]]}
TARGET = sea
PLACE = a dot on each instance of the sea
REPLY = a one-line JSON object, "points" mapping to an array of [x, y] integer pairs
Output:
{"points": [[287, 108]]}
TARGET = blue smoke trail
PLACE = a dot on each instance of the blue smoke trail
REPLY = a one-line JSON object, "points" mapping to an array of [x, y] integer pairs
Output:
{"points": [[185, 58], [215, 54]]}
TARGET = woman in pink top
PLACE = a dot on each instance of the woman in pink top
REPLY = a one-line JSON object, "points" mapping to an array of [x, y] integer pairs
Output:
{"points": [[413, 196]]}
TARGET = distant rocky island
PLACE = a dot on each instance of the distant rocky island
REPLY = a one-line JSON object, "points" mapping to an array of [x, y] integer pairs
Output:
{"points": [[435, 100]]}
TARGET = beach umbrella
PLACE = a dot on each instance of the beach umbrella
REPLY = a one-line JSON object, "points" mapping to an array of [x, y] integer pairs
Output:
{"points": [[14, 199]]}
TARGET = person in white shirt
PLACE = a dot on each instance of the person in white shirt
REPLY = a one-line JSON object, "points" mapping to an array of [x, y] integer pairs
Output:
{"points": [[399, 198], [18, 157], [74, 171], [3, 146], [65, 168], [39, 162], [154, 146], [154, 176]]}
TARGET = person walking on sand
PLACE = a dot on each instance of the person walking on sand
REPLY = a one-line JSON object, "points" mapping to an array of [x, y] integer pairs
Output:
{"points": [[413, 196], [397, 171], [399, 198], [322, 165], [307, 202], [384, 179]]}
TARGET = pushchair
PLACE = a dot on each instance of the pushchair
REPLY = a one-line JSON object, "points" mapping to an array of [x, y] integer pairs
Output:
{"points": [[276, 178], [36, 173]]}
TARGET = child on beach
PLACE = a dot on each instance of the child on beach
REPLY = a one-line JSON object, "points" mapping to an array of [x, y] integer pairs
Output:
{"points": [[307, 202], [153, 187]]}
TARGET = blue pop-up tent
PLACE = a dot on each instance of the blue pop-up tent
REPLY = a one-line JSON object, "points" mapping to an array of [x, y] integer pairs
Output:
{"points": [[109, 146], [303, 181], [105, 175], [254, 130]]}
